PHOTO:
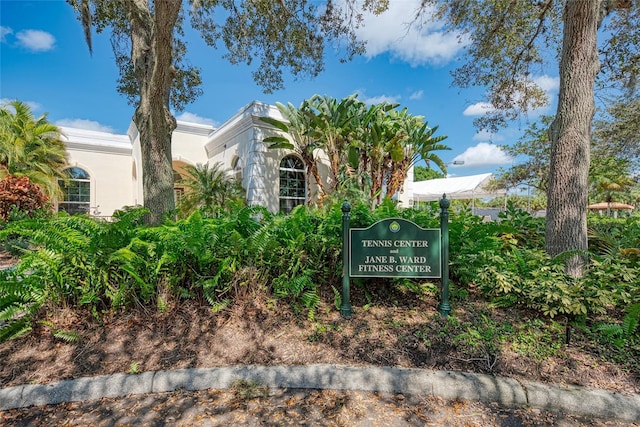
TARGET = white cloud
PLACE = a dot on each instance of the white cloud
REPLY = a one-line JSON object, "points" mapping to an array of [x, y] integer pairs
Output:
{"points": [[85, 124], [414, 42], [194, 118], [484, 154], [478, 109], [548, 83], [33, 105], [370, 100], [4, 31], [380, 99], [35, 40], [417, 95]]}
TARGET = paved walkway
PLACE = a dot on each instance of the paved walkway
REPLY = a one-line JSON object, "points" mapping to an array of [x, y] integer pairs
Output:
{"points": [[444, 384]]}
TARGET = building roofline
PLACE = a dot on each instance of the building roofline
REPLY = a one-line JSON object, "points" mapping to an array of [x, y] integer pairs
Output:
{"points": [[194, 128], [248, 116], [84, 139]]}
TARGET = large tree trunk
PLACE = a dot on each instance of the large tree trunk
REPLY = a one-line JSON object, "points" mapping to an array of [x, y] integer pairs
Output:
{"points": [[152, 43], [570, 135]]}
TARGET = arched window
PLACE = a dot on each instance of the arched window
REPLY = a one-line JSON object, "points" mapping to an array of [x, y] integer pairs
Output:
{"points": [[292, 184], [178, 188], [76, 192]]}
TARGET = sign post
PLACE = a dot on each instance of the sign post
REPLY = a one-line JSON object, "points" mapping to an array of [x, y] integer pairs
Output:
{"points": [[444, 308], [345, 305], [395, 247]]}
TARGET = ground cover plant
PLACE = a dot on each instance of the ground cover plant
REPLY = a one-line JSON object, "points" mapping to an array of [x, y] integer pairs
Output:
{"points": [[90, 297]]}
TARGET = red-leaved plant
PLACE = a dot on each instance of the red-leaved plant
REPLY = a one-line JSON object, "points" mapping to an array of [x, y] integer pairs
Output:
{"points": [[19, 193]]}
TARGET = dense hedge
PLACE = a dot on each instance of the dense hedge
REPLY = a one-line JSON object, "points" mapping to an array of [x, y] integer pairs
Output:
{"points": [[76, 260]]}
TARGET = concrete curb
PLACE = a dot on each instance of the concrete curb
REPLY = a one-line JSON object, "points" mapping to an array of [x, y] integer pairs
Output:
{"points": [[445, 384]]}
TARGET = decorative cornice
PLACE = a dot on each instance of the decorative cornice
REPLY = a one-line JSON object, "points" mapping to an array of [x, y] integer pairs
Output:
{"points": [[246, 118], [182, 127], [194, 128], [90, 140]]}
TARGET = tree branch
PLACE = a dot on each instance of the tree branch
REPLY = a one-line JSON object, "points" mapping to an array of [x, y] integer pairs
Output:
{"points": [[537, 32]]}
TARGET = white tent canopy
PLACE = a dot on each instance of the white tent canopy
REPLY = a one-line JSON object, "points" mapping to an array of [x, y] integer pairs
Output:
{"points": [[460, 187]]}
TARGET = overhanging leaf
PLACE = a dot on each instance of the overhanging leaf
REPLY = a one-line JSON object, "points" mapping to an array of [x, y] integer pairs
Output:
{"points": [[275, 123]]}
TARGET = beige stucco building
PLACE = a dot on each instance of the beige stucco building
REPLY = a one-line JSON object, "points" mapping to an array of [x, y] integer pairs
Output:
{"points": [[107, 173]]}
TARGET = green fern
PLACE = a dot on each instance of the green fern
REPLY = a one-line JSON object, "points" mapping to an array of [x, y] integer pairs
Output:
{"points": [[209, 288], [68, 336], [22, 294], [310, 298], [602, 243], [214, 286], [251, 219], [631, 320], [15, 329], [220, 305], [337, 298], [610, 329]]}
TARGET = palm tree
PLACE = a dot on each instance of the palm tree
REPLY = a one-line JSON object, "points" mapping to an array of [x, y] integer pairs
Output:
{"points": [[300, 127], [31, 147], [387, 143], [373, 133], [370, 148], [418, 143], [209, 188], [333, 120]]}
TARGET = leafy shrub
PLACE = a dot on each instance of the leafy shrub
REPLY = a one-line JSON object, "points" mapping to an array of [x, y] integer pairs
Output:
{"points": [[505, 260], [615, 237], [522, 226], [20, 197], [112, 265], [483, 339], [75, 260], [536, 339], [296, 256]]}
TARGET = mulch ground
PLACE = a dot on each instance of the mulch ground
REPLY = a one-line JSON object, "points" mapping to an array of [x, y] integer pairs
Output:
{"points": [[390, 327], [262, 407]]}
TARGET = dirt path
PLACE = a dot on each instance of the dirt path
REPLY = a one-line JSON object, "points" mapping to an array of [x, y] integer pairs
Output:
{"points": [[248, 405], [390, 327], [192, 336]]}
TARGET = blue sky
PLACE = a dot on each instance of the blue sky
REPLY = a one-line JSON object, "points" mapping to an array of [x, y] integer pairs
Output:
{"points": [[44, 61]]}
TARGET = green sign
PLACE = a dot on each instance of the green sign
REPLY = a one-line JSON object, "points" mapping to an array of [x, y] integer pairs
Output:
{"points": [[395, 247]]}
